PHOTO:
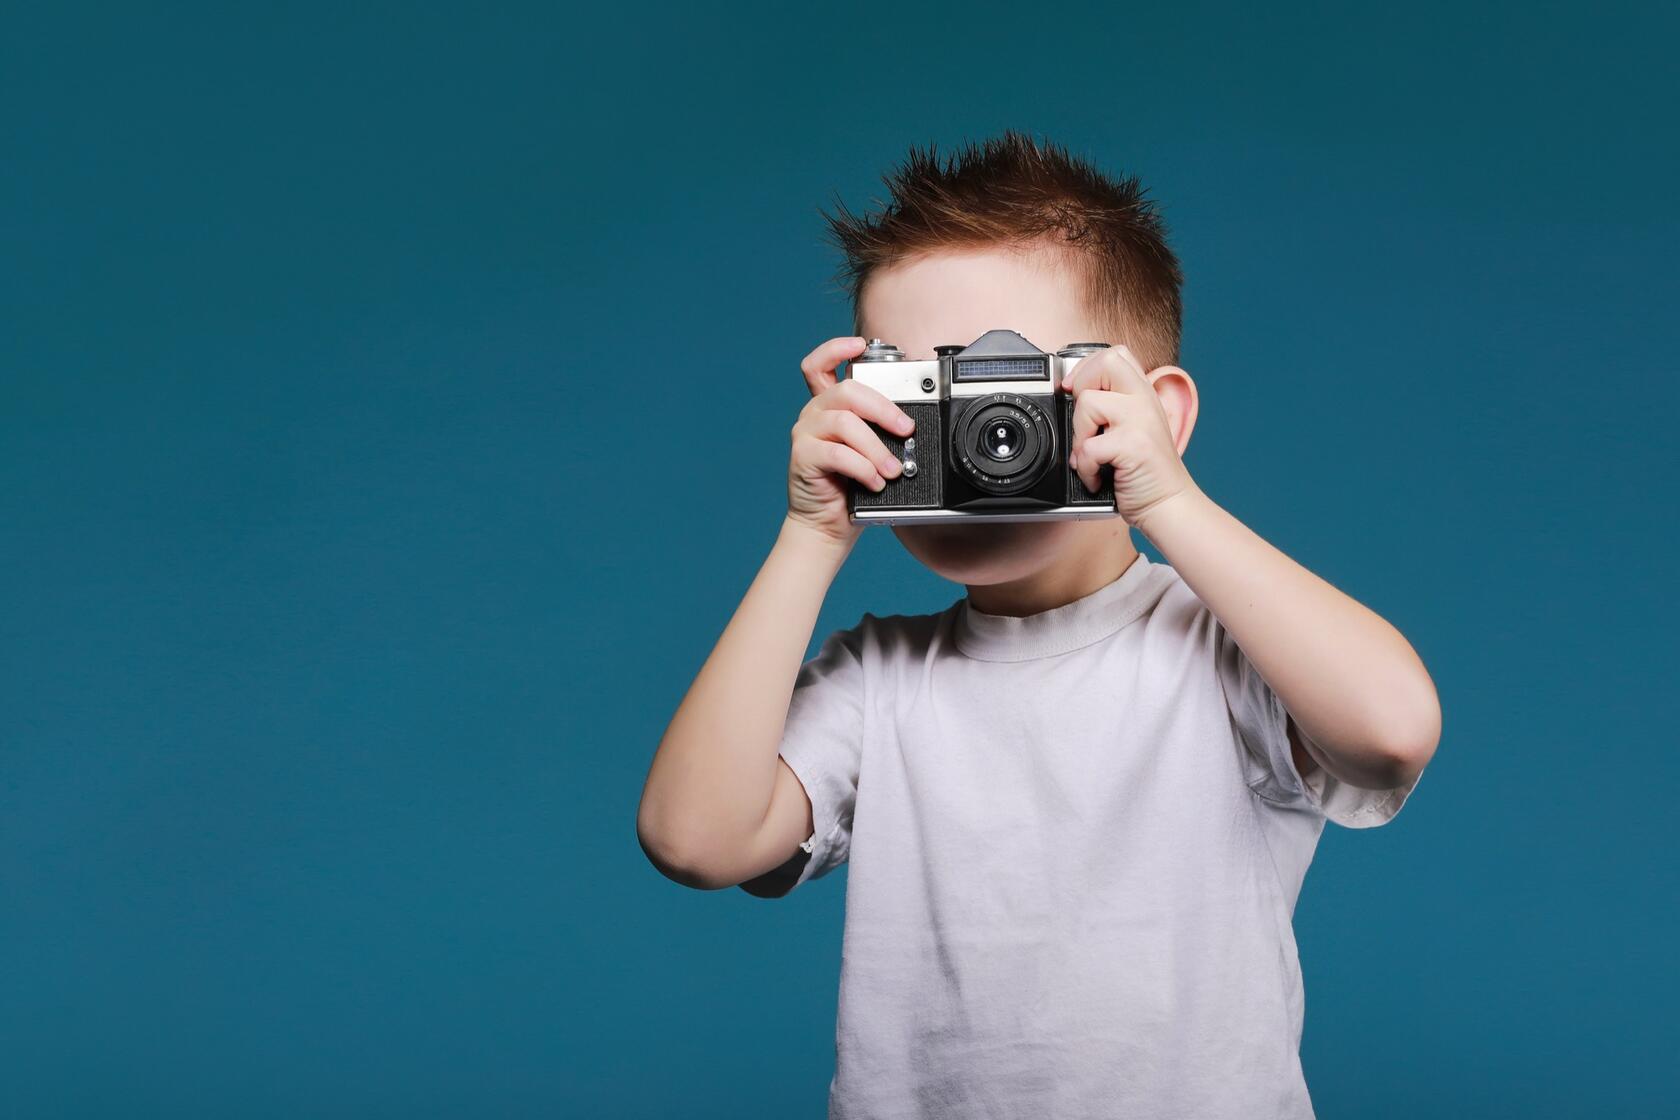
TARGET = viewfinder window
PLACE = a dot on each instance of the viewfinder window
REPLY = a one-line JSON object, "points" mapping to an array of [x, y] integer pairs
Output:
{"points": [[1002, 369]]}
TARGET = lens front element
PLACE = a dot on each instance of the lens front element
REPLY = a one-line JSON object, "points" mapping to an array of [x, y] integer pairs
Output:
{"points": [[1002, 439]]}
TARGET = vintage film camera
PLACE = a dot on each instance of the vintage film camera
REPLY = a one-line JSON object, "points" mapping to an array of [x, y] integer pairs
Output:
{"points": [[993, 433]]}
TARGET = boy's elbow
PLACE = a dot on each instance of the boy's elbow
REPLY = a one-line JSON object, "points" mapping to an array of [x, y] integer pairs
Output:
{"points": [[680, 857], [1399, 767], [1390, 754], [1407, 745]]}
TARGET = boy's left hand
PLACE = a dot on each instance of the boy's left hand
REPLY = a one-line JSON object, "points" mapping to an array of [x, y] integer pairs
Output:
{"points": [[1111, 391]]}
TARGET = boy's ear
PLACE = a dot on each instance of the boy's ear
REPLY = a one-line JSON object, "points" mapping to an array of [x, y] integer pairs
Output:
{"points": [[1176, 390]]}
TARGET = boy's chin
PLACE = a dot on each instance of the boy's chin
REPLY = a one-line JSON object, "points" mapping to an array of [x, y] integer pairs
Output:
{"points": [[991, 552]]}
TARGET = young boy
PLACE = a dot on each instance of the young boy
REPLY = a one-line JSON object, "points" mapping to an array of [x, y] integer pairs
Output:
{"points": [[1079, 803]]}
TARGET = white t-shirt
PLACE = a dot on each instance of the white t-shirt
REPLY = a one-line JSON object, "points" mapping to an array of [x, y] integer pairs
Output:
{"points": [[1075, 844]]}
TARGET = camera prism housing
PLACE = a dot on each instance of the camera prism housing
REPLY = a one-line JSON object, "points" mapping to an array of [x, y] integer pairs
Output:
{"points": [[993, 431]]}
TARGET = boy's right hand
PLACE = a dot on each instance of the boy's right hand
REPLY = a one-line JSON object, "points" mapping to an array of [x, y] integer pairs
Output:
{"points": [[832, 442]]}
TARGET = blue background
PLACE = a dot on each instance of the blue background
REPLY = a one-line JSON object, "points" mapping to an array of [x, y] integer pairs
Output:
{"points": [[394, 409]]}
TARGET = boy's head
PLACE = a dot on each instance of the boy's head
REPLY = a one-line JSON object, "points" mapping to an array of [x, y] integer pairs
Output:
{"points": [[1019, 235]]}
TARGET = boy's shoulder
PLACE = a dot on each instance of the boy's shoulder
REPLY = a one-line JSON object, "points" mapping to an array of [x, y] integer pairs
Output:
{"points": [[886, 633]]}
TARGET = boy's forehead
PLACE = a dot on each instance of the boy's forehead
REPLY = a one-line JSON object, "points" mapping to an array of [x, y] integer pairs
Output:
{"points": [[956, 295]]}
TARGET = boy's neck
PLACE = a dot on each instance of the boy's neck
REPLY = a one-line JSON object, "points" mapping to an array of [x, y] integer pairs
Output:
{"points": [[1090, 562]]}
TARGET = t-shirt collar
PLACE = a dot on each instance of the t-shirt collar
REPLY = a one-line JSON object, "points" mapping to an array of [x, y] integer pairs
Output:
{"points": [[1071, 626]]}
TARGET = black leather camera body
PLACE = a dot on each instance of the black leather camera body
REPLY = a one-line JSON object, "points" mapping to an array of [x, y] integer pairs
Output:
{"points": [[993, 431]]}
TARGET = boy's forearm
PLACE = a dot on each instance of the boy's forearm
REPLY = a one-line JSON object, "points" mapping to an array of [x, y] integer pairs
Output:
{"points": [[709, 786], [1348, 678]]}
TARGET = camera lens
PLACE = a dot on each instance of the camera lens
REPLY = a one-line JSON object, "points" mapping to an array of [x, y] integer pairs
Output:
{"points": [[1003, 444], [1002, 439]]}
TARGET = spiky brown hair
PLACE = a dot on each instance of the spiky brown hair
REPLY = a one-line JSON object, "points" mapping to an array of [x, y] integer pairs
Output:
{"points": [[1012, 190]]}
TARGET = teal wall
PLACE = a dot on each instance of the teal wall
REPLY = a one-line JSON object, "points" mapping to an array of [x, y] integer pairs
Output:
{"points": [[394, 406]]}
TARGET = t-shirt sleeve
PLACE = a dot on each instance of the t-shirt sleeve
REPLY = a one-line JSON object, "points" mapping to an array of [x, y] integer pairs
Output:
{"points": [[822, 743], [1261, 724]]}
